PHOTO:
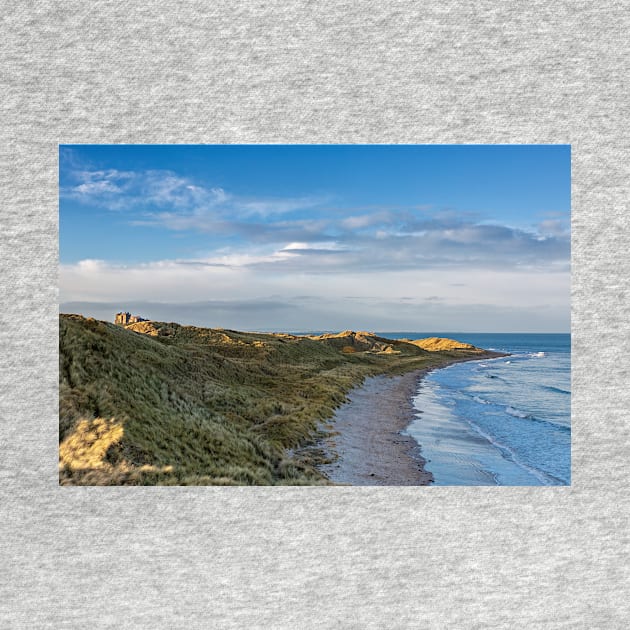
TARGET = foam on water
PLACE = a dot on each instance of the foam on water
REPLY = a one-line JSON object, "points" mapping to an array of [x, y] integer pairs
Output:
{"points": [[501, 421], [517, 413]]}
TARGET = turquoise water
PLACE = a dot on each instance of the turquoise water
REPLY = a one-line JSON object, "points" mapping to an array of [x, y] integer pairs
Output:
{"points": [[502, 421]]}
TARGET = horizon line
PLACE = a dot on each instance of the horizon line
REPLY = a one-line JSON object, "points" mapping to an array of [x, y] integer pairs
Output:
{"points": [[359, 328]]}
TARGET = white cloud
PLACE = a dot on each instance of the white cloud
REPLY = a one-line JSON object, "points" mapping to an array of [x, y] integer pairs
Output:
{"points": [[324, 246], [362, 221], [91, 264], [185, 202], [268, 207], [97, 188], [553, 227]]}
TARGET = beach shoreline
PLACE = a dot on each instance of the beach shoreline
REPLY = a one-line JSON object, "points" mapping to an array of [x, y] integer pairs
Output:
{"points": [[367, 445]]}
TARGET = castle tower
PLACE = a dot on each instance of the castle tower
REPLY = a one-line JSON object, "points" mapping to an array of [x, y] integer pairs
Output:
{"points": [[125, 318], [122, 318]]}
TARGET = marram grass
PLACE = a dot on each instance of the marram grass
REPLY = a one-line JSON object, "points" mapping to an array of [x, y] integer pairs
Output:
{"points": [[156, 403]]}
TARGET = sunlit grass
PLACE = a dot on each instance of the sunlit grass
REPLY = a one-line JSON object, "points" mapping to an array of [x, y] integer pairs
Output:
{"points": [[86, 446]]}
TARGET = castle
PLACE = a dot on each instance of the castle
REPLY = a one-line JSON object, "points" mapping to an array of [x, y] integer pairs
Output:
{"points": [[127, 318]]}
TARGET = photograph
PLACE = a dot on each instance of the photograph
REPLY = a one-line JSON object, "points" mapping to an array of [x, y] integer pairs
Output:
{"points": [[315, 315]]}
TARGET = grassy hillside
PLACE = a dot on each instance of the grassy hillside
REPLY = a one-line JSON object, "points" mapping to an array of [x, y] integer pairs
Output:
{"points": [[157, 403]]}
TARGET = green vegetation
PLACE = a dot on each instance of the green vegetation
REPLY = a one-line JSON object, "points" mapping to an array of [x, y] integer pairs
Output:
{"points": [[156, 403]]}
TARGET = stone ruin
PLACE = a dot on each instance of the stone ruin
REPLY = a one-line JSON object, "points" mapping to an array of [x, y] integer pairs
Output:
{"points": [[125, 318]]}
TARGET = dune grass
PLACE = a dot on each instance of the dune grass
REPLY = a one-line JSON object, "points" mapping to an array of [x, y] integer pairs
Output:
{"points": [[157, 403]]}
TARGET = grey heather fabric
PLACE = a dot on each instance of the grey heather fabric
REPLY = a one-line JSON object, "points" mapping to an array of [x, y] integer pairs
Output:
{"points": [[370, 72]]}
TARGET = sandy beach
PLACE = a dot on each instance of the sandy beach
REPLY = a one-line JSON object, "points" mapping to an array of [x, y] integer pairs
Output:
{"points": [[367, 440]]}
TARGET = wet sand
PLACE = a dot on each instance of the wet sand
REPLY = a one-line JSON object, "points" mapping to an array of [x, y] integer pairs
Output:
{"points": [[366, 444], [367, 440]]}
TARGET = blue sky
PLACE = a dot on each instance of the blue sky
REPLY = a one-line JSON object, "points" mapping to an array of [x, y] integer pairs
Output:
{"points": [[299, 237]]}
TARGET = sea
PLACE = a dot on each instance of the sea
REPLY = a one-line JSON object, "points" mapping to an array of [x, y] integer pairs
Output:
{"points": [[505, 421]]}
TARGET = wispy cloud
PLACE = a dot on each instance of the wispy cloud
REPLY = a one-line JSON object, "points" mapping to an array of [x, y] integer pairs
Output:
{"points": [[554, 227], [267, 207], [172, 200], [132, 190]]}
